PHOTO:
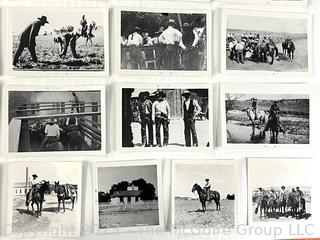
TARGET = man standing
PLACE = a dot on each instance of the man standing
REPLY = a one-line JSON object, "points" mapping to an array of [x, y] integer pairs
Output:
{"points": [[161, 117], [206, 188], [28, 39], [84, 25], [52, 133], [299, 194], [172, 39], [135, 41], [254, 108], [191, 109], [145, 109], [75, 102], [260, 196]]}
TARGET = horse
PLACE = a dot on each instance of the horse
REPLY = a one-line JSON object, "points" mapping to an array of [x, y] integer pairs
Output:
{"points": [[274, 126], [54, 146], [265, 48], [38, 197], [272, 205], [258, 119], [214, 195], [282, 203], [293, 204], [89, 34], [263, 204], [65, 192], [74, 138], [290, 50]]}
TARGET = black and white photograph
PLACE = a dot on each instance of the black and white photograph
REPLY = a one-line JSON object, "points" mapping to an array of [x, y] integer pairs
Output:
{"points": [[55, 40], [267, 42], [203, 194], [165, 117], [284, 197], [128, 195], [263, 118], [44, 198], [269, 2], [164, 41], [44, 120]]}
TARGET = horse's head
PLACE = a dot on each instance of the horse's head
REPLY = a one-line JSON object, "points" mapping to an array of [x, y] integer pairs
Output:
{"points": [[46, 187], [56, 184], [195, 187]]}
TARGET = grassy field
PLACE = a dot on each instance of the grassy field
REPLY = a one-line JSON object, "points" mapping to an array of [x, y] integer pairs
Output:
{"points": [[281, 64], [188, 214], [128, 215], [91, 56]]}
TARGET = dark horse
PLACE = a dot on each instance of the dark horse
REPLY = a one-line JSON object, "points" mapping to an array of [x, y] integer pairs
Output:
{"points": [[64, 192], [37, 197], [74, 138], [288, 47], [293, 203], [264, 48], [214, 195], [274, 126]]}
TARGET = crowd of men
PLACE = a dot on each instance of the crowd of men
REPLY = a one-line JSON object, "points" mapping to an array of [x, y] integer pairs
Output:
{"points": [[158, 113], [175, 48]]}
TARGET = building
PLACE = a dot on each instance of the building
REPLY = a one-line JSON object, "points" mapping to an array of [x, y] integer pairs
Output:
{"points": [[20, 189], [131, 195]]}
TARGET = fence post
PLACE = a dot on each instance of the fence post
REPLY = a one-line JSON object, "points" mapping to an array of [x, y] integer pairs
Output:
{"points": [[62, 107], [24, 142], [94, 117]]}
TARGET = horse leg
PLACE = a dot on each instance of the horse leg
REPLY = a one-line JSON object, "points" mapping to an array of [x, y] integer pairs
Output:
{"points": [[58, 205], [64, 207], [272, 59], [32, 207]]}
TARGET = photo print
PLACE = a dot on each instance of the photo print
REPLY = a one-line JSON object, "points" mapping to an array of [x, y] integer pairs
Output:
{"points": [[44, 199], [258, 117], [128, 196], [164, 41], [55, 120], [267, 42], [206, 196], [283, 197], [165, 117], [55, 40]]}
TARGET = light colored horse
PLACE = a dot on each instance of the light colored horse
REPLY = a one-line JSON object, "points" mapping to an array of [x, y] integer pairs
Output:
{"points": [[259, 119]]}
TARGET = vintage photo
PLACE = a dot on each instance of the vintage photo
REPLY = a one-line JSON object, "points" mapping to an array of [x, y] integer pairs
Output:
{"points": [[55, 40], [267, 42], [164, 41], [203, 194], [258, 117], [44, 196], [283, 197], [55, 120], [165, 117], [128, 196]]}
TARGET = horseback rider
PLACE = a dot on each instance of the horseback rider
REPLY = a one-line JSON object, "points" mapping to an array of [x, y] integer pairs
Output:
{"points": [[206, 188], [274, 113], [84, 25], [52, 133], [35, 184]]}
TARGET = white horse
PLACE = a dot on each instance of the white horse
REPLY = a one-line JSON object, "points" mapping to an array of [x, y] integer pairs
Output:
{"points": [[259, 120]]}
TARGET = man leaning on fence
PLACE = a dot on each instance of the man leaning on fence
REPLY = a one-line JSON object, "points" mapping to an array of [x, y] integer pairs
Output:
{"points": [[135, 41]]}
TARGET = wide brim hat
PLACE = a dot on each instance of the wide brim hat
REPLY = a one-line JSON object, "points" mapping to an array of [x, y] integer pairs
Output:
{"points": [[207, 180], [43, 19], [297, 188], [186, 93], [34, 175], [275, 101], [161, 94]]}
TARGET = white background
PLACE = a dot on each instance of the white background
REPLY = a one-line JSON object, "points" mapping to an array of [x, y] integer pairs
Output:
{"points": [[217, 153]]}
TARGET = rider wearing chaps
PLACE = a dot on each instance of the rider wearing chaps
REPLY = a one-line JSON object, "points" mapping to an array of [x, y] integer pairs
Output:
{"points": [[206, 189]]}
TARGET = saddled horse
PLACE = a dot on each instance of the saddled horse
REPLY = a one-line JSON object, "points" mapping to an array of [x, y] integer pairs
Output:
{"points": [[274, 126], [65, 192], [258, 120], [265, 48], [263, 205], [74, 138], [38, 197], [293, 204], [272, 205], [214, 195], [288, 47]]}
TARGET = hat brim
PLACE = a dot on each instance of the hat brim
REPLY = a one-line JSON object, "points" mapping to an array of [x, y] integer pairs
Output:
{"points": [[46, 21]]}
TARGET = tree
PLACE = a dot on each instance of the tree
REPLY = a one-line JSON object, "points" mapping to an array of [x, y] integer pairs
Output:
{"points": [[231, 99], [121, 186], [148, 192]]}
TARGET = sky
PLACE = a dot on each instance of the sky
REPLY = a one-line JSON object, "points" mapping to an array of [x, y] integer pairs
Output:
{"points": [[107, 176], [270, 24], [65, 172], [278, 172], [221, 177], [56, 19], [272, 96]]}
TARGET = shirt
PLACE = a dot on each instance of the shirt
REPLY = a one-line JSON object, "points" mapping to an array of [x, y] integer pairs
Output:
{"points": [[135, 39], [197, 108], [52, 130], [171, 36], [35, 182], [160, 107], [207, 185]]}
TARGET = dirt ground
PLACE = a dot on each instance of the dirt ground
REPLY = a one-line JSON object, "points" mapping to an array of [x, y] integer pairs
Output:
{"points": [[49, 221], [91, 56], [188, 214], [176, 133], [281, 64], [133, 215]]}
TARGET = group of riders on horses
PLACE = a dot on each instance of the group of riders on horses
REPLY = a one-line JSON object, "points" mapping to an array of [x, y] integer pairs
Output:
{"points": [[257, 47], [277, 199]]}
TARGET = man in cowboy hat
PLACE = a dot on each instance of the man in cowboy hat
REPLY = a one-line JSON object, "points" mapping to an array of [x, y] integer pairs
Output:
{"points": [[145, 109], [161, 117], [191, 109], [28, 39], [299, 194], [52, 133], [172, 39], [206, 188], [260, 195], [135, 41], [274, 113], [34, 185], [282, 193], [84, 25]]}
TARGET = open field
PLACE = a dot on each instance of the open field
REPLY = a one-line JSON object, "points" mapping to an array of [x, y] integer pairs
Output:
{"points": [[188, 214], [129, 215], [281, 64], [91, 56]]}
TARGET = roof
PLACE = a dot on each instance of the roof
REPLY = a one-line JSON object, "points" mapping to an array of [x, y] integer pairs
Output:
{"points": [[132, 193]]}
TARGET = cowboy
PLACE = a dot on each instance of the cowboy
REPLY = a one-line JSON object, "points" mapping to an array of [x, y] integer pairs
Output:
{"points": [[84, 25], [273, 194], [135, 41], [282, 193], [299, 194], [75, 102], [260, 196], [206, 188], [172, 39], [274, 113], [191, 110], [28, 39], [254, 108], [161, 117], [145, 109], [52, 133], [34, 185]]}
